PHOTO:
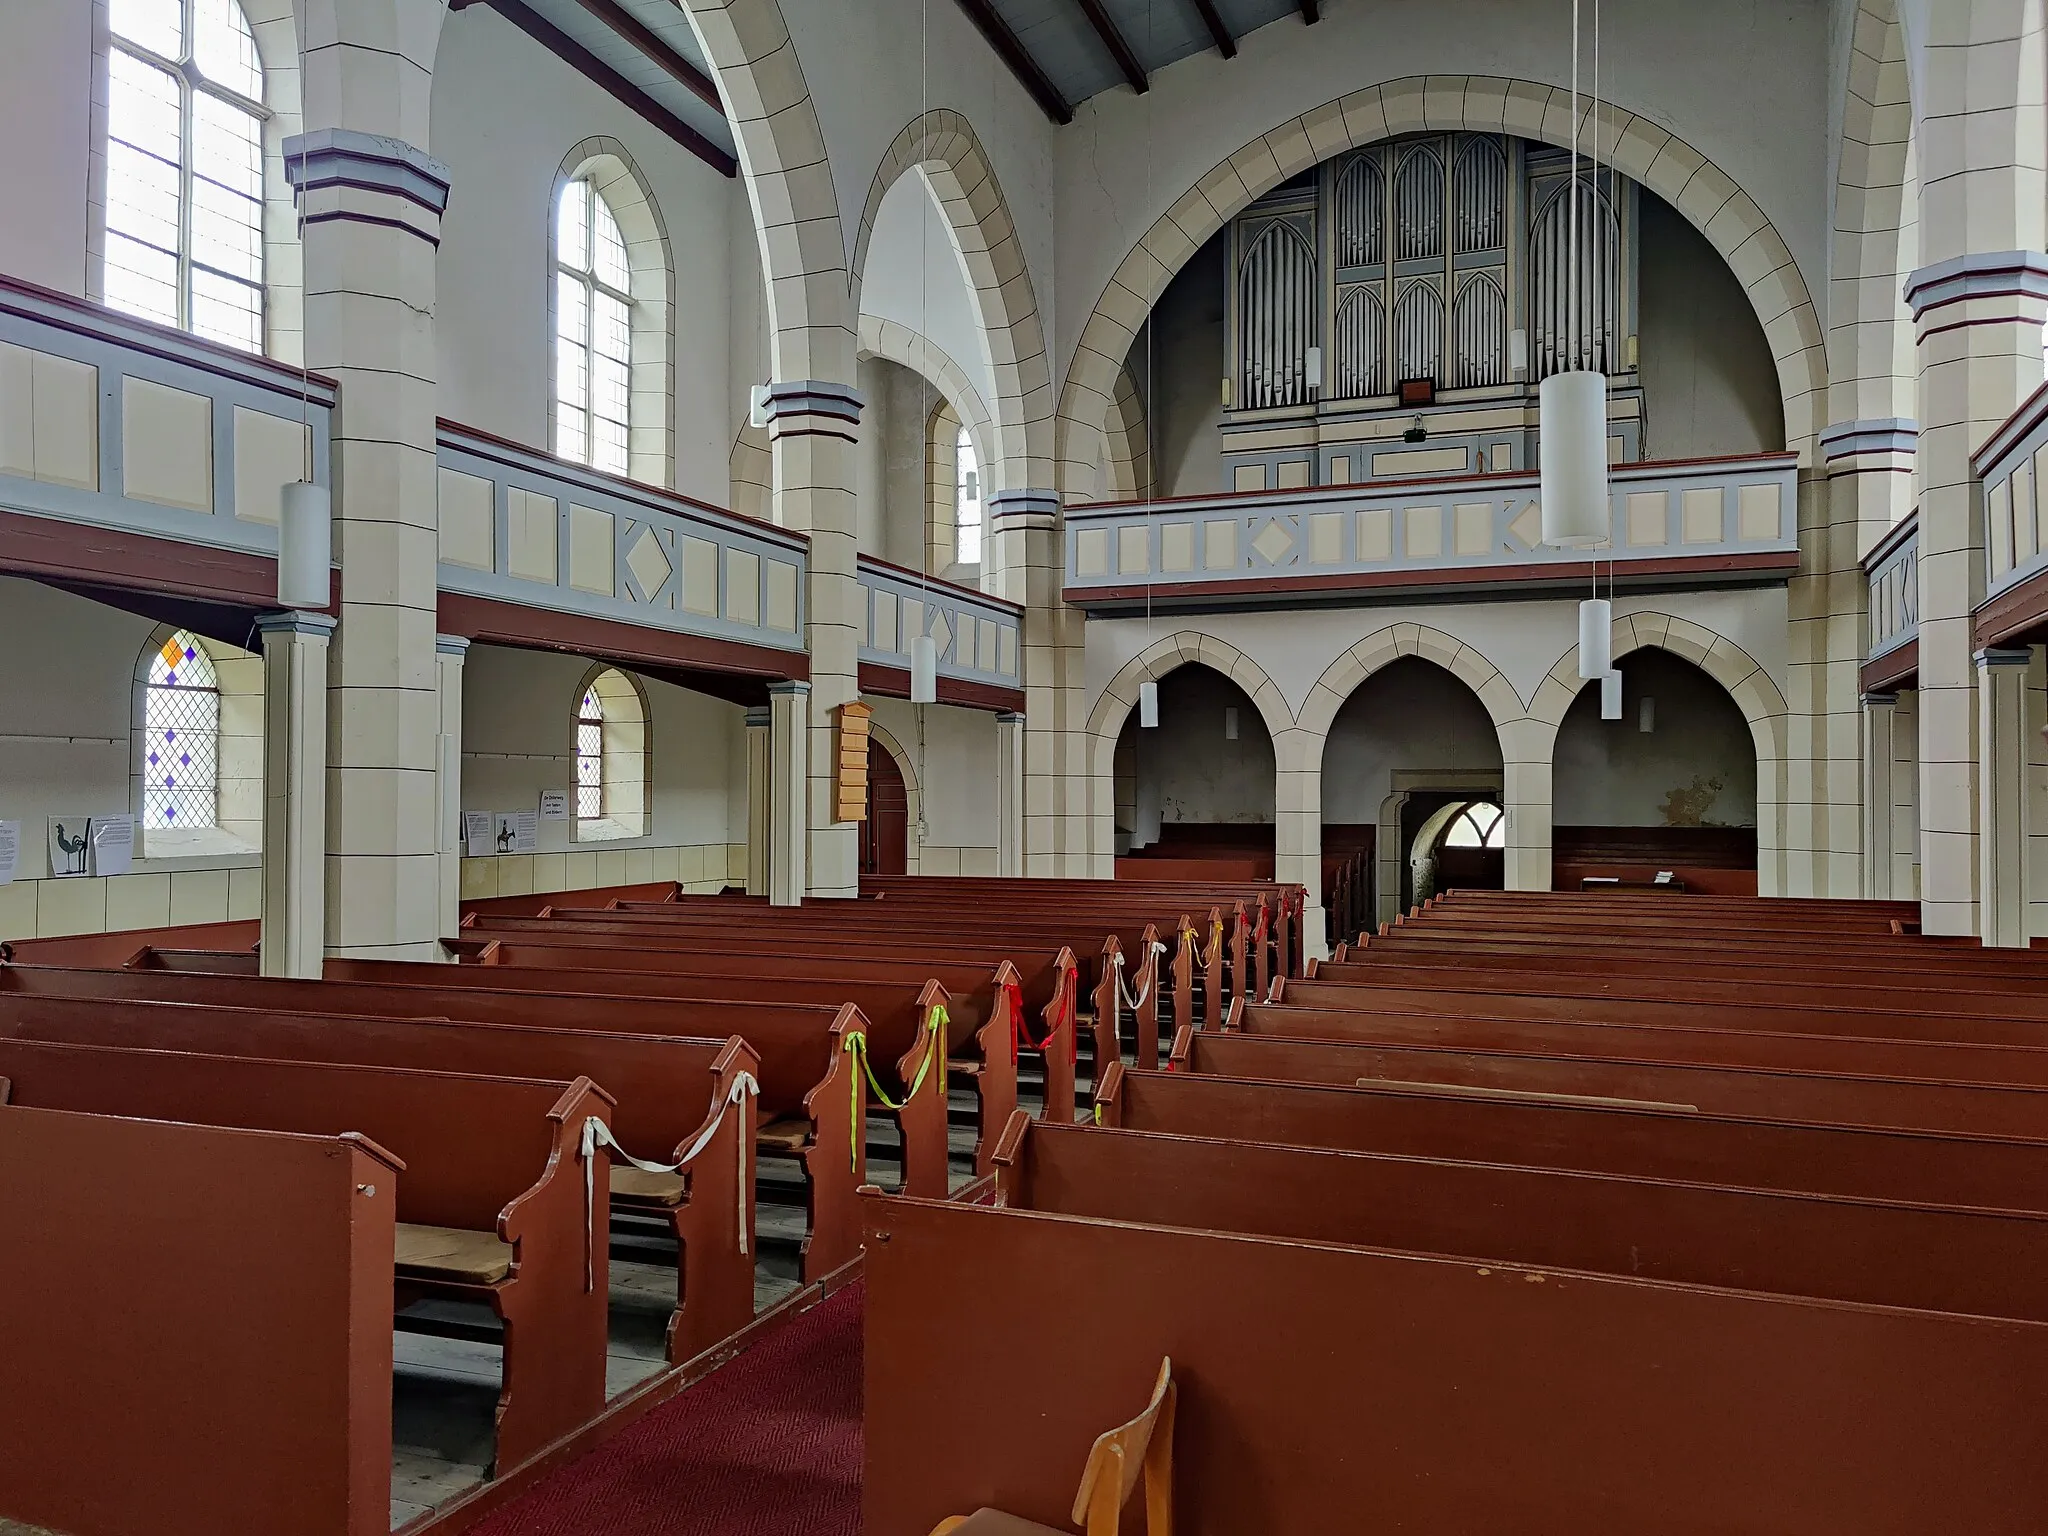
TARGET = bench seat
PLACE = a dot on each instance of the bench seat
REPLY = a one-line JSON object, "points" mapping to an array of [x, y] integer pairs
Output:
{"points": [[451, 1254], [786, 1136], [633, 1186]]}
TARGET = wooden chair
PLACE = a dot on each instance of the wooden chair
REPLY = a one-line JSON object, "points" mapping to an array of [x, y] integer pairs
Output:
{"points": [[1118, 1457]]}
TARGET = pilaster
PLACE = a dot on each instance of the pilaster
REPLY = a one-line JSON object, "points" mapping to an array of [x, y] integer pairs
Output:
{"points": [[295, 655], [450, 652], [1025, 528], [1010, 795], [788, 731], [759, 813], [1880, 715], [2002, 796]]}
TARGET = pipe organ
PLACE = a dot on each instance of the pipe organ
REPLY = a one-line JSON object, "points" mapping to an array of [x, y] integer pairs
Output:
{"points": [[1433, 270]]}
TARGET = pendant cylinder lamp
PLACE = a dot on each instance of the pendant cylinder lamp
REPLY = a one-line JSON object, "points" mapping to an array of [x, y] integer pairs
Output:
{"points": [[305, 546], [1148, 705], [1572, 452], [1610, 695], [1596, 622], [924, 670]]}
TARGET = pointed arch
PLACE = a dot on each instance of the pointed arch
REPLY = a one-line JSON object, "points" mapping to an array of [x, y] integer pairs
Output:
{"points": [[912, 790], [611, 738], [910, 349]]}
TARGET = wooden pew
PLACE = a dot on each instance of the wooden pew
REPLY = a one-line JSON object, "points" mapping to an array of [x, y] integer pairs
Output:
{"points": [[1668, 1142], [670, 1095], [1323, 1385], [195, 1335], [491, 1203], [808, 1080], [1811, 1097]]}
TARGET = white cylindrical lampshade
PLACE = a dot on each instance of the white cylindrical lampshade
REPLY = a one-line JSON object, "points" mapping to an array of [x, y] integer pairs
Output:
{"points": [[1148, 705], [1596, 623], [924, 670], [1572, 447], [1610, 695], [305, 546]]}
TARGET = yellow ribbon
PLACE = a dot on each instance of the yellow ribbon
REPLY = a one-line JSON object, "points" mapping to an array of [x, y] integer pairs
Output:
{"points": [[857, 1043]]}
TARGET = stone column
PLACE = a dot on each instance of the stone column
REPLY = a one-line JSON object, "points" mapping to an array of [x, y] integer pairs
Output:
{"points": [[759, 814], [1024, 528], [2004, 751], [1526, 748], [450, 652], [1298, 828], [1880, 715], [371, 207], [788, 730], [294, 792], [814, 427], [1010, 795], [1978, 323]]}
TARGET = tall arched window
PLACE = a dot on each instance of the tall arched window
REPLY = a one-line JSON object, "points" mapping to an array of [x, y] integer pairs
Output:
{"points": [[966, 500], [593, 331], [184, 209], [181, 748], [610, 733]]}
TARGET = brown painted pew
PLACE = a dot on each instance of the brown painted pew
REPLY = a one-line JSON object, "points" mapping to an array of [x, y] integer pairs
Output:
{"points": [[1637, 1141], [1818, 1009], [491, 1201], [1939, 1258], [1697, 1043], [142, 1260], [1332, 1388], [670, 1095], [1815, 1098], [809, 1083], [1703, 943]]}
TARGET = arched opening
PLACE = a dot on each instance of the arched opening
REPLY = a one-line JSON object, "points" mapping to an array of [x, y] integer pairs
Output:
{"points": [[196, 764], [1410, 750], [1668, 790], [1461, 847], [608, 731], [885, 835], [1197, 790]]}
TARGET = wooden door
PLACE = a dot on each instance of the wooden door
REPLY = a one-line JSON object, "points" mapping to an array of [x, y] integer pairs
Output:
{"points": [[885, 835]]}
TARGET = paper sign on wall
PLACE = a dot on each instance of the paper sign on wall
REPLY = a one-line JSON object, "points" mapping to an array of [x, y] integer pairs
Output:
{"points": [[70, 843], [113, 845], [10, 850], [554, 805], [476, 834], [516, 832]]}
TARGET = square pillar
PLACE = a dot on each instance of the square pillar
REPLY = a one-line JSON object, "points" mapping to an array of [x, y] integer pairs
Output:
{"points": [[294, 792], [2002, 796], [788, 738], [451, 651], [759, 814], [1010, 795], [1880, 717]]}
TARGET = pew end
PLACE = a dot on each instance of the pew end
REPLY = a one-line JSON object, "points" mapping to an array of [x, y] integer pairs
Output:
{"points": [[921, 1069], [835, 1155], [714, 1221], [994, 1072], [1183, 1048]]}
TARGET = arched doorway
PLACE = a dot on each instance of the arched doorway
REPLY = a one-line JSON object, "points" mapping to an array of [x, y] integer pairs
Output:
{"points": [[885, 835], [1461, 846], [1195, 793]]}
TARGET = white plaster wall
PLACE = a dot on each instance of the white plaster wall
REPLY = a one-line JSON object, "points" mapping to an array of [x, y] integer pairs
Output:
{"points": [[951, 772], [1745, 85], [65, 751], [747, 356], [1411, 716], [915, 277], [517, 741], [506, 113], [1177, 362], [889, 464], [1186, 770], [46, 71], [1611, 773]]}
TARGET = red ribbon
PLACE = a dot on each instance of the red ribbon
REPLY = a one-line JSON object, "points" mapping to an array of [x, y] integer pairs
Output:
{"points": [[1019, 1038]]}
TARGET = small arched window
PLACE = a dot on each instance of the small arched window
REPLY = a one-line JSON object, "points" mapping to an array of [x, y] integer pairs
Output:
{"points": [[184, 199], [967, 501], [593, 331], [610, 734], [1479, 825], [181, 748], [589, 757]]}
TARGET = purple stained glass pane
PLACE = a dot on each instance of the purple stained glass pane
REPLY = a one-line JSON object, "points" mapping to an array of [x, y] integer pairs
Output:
{"points": [[190, 653], [171, 678]]}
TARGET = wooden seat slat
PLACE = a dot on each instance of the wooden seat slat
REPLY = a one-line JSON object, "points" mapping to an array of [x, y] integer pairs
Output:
{"points": [[451, 1253]]}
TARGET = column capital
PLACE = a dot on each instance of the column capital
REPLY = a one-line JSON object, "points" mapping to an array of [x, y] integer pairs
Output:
{"points": [[452, 645], [2004, 656], [1981, 275], [814, 408], [1880, 443], [296, 621], [1009, 717], [1880, 700], [1024, 508], [789, 687], [340, 173], [760, 717]]}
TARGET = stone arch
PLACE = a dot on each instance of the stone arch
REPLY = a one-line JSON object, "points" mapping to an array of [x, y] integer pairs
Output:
{"points": [[1127, 464], [942, 144], [626, 748], [1343, 676], [651, 409], [910, 349], [1658, 159], [912, 790], [1871, 368]]}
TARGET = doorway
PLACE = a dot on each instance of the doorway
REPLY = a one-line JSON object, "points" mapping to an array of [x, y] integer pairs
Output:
{"points": [[885, 835]]}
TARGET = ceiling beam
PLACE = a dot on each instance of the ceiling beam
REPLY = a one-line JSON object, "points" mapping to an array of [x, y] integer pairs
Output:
{"points": [[1018, 57], [656, 48], [1226, 43], [1106, 29], [609, 80]]}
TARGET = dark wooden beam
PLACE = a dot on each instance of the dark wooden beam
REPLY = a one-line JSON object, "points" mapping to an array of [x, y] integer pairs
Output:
{"points": [[656, 48], [1226, 43], [1018, 57], [1106, 29], [609, 80]]}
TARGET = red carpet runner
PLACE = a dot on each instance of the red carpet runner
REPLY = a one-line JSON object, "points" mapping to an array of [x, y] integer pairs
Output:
{"points": [[768, 1446]]}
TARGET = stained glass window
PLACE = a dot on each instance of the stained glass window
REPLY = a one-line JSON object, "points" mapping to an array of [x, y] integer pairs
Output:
{"points": [[967, 501], [181, 738], [1480, 825], [590, 758], [185, 168], [593, 331]]}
